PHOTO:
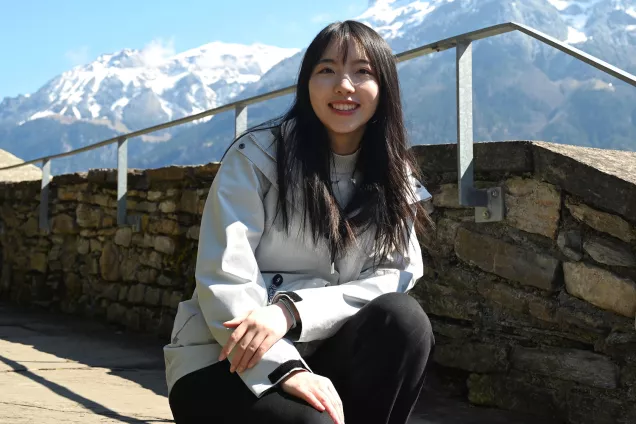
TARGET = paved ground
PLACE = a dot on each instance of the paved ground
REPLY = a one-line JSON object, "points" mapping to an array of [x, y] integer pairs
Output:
{"points": [[55, 369]]}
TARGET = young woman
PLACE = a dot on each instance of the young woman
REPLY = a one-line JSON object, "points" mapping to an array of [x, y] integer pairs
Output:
{"points": [[306, 250]]}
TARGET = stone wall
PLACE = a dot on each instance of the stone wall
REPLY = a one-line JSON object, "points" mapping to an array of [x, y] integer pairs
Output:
{"points": [[87, 265], [535, 313]]}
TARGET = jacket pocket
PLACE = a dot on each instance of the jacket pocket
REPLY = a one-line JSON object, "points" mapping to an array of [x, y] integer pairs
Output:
{"points": [[189, 326]]}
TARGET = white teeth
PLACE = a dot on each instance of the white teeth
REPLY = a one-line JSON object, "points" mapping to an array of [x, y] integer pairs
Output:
{"points": [[344, 107]]}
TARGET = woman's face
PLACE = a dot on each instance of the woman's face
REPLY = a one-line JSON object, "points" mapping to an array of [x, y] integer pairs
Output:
{"points": [[344, 96]]}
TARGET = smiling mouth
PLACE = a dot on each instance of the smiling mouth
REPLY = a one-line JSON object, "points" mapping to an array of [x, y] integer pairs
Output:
{"points": [[344, 107]]}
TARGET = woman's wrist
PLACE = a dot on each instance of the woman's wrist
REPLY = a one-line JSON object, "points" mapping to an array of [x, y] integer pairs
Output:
{"points": [[289, 318]]}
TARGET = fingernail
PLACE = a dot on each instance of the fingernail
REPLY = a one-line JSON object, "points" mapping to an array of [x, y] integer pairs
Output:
{"points": [[241, 370], [232, 368]]}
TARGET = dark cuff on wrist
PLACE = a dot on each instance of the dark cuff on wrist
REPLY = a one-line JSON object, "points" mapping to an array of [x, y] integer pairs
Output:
{"points": [[284, 369]]}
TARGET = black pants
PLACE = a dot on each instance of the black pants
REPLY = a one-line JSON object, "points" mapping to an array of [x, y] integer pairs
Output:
{"points": [[376, 362]]}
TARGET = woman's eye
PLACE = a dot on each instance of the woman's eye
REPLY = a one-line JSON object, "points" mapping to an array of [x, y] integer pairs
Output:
{"points": [[325, 71], [366, 71]]}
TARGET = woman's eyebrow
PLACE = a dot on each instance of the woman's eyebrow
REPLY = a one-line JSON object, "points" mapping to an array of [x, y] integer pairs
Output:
{"points": [[356, 62]]}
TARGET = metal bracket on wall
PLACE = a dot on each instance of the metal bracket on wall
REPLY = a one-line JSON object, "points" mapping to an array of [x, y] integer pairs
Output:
{"points": [[488, 203], [135, 222], [495, 210]]}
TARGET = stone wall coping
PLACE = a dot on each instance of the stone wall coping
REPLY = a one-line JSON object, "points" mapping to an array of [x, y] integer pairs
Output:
{"points": [[606, 179]]}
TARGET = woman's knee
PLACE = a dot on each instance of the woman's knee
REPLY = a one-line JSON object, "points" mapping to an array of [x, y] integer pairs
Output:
{"points": [[402, 314], [304, 415]]}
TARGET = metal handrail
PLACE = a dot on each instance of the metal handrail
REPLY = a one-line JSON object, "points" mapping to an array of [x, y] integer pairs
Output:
{"points": [[488, 203]]}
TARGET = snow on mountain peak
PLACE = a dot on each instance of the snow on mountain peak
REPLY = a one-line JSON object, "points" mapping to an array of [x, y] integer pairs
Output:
{"points": [[391, 18], [178, 84]]}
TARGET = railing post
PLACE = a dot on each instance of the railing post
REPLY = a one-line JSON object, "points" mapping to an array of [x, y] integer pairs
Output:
{"points": [[44, 196], [122, 186], [488, 203], [240, 120]]}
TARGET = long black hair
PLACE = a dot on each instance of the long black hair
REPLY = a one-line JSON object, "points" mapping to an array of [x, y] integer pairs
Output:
{"points": [[382, 200]]}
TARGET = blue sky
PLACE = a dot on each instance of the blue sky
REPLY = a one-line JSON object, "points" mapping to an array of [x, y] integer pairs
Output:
{"points": [[43, 38]]}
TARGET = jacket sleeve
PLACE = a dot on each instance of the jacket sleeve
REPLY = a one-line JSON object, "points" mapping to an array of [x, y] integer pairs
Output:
{"points": [[395, 273], [228, 280]]}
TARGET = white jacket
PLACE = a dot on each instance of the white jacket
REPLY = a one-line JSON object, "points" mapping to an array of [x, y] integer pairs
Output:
{"points": [[240, 255]]}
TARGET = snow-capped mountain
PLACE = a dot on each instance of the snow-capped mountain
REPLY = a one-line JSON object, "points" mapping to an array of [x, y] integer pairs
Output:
{"points": [[137, 87]]}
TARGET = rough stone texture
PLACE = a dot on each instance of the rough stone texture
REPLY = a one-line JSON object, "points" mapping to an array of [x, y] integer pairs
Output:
{"points": [[474, 357], [571, 244], [605, 179], [123, 236], [447, 197], [601, 288], [609, 252], [581, 366], [507, 260], [109, 263], [602, 221], [533, 206]]}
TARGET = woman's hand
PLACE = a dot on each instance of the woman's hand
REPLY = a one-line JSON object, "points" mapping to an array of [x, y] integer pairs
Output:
{"points": [[316, 390], [254, 334]]}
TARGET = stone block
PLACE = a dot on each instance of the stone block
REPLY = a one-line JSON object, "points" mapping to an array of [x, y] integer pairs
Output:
{"points": [[167, 206], [446, 232], [601, 288], [570, 243], [602, 221], [445, 301], [193, 232], [447, 197], [147, 275], [164, 280], [63, 224], [129, 268], [474, 357], [116, 312], [164, 244], [169, 173], [111, 292], [175, 298], [88, 216], [38, 262], [83, 246], [123, 293], [609, 252], [189, 202], [511, 393], [109, 263], [604, 178], [507, 260], [151, 258], [533, 206], [519, 301], [165, 226], [136, 294], [152, 296], [150, 207], [581, 366], [123, 236]]}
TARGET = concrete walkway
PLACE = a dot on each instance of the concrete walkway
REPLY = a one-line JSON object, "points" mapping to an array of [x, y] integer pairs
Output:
{"points": [[56, 368]]}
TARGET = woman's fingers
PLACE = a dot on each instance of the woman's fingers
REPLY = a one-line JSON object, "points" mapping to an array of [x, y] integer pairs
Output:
{"points": [[241, 349], [337, 400], [309, 397], [234, 338], [267, 343], [325, 398], [250, 351]]}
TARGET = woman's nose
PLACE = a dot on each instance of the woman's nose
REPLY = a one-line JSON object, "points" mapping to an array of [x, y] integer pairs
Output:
{"points": [[344, 85]]}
